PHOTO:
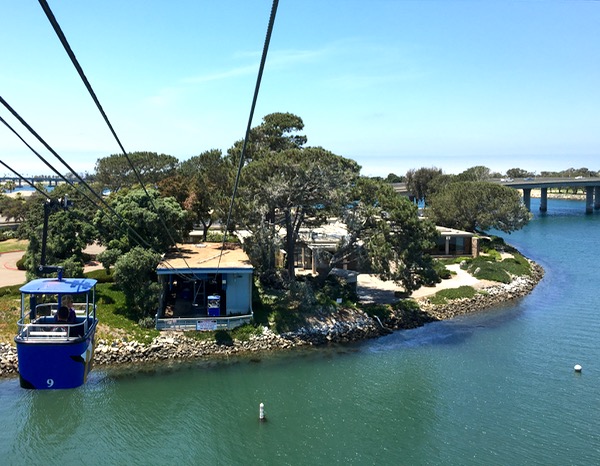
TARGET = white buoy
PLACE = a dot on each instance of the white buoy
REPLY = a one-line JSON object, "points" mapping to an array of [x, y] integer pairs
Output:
{"points": [[261, 413], [577, 368]]}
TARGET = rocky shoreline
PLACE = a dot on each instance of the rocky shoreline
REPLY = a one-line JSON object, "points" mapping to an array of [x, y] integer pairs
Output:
{"points": [[342, 326]]}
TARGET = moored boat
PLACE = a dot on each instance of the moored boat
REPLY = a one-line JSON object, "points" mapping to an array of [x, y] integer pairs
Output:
{"points": [[56, 353]]}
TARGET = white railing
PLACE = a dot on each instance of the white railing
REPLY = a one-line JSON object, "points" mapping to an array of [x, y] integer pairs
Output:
{"points": [[47, 330], [203, 323]]}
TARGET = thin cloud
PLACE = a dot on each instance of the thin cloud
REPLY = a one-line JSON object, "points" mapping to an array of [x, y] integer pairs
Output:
{"points": [[278, 60], [342, 64]]}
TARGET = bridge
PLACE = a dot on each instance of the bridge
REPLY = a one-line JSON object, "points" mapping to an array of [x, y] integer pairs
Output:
{"points": [[590, 185], [50, 180]]}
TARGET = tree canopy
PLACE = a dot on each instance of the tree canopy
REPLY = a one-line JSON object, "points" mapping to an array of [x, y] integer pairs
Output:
{"points": [[478, 205], [294, 188], [13, 208], [419, 182], [518, 173], [69, 231], [477, 173], [385, 231], [115, 171], [277, 132], [202, 185], [144, 220]]}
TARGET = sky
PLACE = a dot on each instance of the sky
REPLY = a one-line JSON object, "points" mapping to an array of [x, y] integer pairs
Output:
{"points": [[392, 84]]}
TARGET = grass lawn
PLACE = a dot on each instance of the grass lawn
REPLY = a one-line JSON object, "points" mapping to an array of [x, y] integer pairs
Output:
{"points": [[12, 245], [114, 322]]}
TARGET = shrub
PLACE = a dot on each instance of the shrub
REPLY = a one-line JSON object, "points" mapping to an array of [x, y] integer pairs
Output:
{"points": [[406, 305], [441, 270], [485, 270], [443, 296], [146, 322], [336, 287], [495, 255], [380, 310], [454, 260], [303, 295], [7, 234], [495, 243], [217, 237], [21, 264], [101, 275], [517, 265], [222, 337], [245, 332]]}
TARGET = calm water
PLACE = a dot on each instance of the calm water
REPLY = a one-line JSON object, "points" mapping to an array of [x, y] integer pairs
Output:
{"points": [[497, 387]]}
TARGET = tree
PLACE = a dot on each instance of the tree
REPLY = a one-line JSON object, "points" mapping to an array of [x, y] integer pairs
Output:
{"points": [[9, 186], [294, 188], [143, 222], [135, 275], [384, 229], [418, 182], [203, 187], [518, 173], [277, 132], [13, 208], [477, 173], [393, 178], [115, 171], [478, 206], [69, 232]]}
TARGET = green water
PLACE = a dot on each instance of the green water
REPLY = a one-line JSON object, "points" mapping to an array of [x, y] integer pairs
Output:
{"points": [[496, 387]]}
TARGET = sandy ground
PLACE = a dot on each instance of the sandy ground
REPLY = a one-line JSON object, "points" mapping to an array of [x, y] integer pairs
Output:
{"points": [[371, 289]]}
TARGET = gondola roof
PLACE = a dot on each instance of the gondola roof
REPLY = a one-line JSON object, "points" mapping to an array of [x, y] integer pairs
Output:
{"points": [[56, 286]]}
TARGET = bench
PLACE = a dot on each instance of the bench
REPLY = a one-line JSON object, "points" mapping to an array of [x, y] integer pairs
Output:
{"points": [[36, 333]]}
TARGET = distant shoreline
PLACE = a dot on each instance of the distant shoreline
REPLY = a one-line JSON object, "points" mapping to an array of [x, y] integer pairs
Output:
{"points": [[536, 193]]}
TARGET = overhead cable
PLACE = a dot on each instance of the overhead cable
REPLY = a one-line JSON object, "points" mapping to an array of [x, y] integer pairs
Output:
{"points": [[120, 225], [43, 193], [71, 54], [249, 125], [138, 238]]}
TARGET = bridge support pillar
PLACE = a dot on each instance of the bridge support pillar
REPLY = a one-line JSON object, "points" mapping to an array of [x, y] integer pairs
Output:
{"points": [[589, 199], [543, 199], [527, 198], [597, 198]]}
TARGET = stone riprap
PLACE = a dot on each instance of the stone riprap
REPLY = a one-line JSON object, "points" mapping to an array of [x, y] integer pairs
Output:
{"points": [[341, 326], [487, 297], [8, 359]]}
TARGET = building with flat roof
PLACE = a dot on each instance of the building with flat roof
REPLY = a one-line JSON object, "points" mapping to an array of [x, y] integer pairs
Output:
{"points": [[205, 287]]}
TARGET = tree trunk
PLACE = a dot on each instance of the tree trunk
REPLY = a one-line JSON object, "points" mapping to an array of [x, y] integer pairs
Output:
{"points": [[290, 245]]}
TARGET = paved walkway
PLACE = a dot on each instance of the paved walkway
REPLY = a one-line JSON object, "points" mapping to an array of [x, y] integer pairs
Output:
{"points": [[11, 275]]}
